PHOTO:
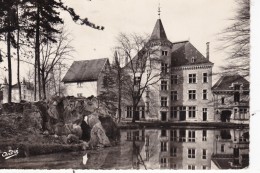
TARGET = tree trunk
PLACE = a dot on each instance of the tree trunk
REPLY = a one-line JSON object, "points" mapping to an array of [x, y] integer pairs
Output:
{"points": [[37, 49], [9, 63], [43, 85], [35, 79], [18, 57], [119, 95]]}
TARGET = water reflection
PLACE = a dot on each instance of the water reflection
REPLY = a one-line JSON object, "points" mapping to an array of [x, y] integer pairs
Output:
{"points": [[176, 148], [186, 148]]}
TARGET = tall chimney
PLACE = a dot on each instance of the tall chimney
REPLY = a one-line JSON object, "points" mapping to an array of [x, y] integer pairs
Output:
{"points": [[207, 54]]}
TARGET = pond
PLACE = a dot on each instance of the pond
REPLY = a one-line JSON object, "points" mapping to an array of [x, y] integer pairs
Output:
{"points": [[172, 148]]}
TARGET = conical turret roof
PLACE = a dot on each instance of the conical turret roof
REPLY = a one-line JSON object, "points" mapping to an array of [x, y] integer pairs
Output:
{"points": [[158, 31]]}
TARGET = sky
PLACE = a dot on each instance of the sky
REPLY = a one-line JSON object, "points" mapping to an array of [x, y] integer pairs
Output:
{"points": [[198, 21]]}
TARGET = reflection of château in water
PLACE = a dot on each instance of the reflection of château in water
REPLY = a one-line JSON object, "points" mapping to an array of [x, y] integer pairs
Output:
{"points": [[186, 148]]}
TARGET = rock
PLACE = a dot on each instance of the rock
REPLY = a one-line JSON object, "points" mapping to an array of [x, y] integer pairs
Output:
{"points": [[98, 136], [31, 120], [110, 127], [92, 119], [72, 139]]}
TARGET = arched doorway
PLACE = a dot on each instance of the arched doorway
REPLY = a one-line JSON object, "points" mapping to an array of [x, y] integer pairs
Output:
{"points": [[225, 115]]}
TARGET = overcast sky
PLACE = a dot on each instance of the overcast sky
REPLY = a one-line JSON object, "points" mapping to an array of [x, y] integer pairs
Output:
{"points": [[197, 20]]}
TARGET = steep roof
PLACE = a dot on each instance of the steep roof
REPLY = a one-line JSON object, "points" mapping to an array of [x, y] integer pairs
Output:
{"points": [[183, 52], [225, 82], [83, 71], [158, 31]]}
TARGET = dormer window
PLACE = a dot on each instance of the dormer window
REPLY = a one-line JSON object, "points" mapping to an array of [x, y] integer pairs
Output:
{"points": [[164, 53], [192, 60]]}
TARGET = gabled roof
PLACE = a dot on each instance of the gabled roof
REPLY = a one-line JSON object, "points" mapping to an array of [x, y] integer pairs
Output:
{"points": [[83, 71], [225, 82], [158, 31], [29, 85], [183, 52]]}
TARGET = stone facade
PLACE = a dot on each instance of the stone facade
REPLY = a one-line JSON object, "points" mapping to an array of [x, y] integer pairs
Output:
{"points": [[183, 92], [27, 92], [231, 99]]}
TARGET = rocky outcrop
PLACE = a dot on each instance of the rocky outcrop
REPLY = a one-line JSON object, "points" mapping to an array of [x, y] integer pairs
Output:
{"points": [[98, 135], [63, 117]]}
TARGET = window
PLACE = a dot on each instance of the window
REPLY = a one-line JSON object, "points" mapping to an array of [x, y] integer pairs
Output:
{"points": [[243, 113], [164, 67], [163, 133], [163, 85], [174, 95], [236, 97], [79, 94], [137, 80], [163, 146], [222, 148], [174, 79], [192, 60], [129, 112], [192, 94], [173, 151], [164, 53], [222, 100], [174, 111], [192, 112], [204, 135], [24, 92], [163, 162], [173, 135], [204, 167], [79, 84], [147, 141], [204, 94], [204, 113], [204, 154], [192, 78], [191, 153], [191, 136], [129, 135], [163, 101], [205, 77], [142, 111], [237, 87], [192, 167]]}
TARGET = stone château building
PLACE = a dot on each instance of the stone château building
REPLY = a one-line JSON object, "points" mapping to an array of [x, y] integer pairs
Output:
{"points": [[183, 92]]}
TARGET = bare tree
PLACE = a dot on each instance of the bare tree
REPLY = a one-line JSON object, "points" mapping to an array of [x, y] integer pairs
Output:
{"points": [[235, 39], [142, 67], [53, 58]]}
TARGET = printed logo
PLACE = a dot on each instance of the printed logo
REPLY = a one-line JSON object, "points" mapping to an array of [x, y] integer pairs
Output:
{"points": [[9, 154]]}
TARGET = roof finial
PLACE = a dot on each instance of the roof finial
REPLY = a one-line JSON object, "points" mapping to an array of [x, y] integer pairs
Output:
{"points": [[159, 11]]}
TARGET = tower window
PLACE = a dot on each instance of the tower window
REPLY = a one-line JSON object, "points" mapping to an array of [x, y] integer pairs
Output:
{"points": [[164, 53], [163, 85], [205, 95], [164, 67], [163, 101], [174, 79]]}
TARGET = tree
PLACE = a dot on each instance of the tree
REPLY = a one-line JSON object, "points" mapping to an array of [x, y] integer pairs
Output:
{"points": [[235, 39], [54, 54], [143, 69], [7, 19]]}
